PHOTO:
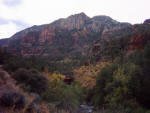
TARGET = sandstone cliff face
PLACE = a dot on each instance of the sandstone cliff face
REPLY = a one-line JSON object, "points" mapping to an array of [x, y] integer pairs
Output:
{"points": [[47, 35], [121, 29], [140, 36], [26, 31], [96, 24], [65, 36], [72, 22], [125, 39], [28, 40]]}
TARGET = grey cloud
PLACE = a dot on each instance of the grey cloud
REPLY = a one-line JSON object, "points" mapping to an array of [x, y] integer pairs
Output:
{"points": [[20, 24], [11, 3], [3, 21]]}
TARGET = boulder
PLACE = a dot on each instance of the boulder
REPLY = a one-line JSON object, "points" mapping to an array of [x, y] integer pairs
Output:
{"points": [[86, 109], [36, 96], [12, 99], [33, 108]]}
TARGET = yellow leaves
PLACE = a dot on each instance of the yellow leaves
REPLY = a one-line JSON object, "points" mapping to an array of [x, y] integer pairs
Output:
{"points": [[86, 75], [53, 76], [120, 76], [57, 77], [67, 60], [56, 80]]}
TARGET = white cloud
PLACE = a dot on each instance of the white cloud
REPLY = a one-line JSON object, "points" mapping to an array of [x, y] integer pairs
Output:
{"points": [[36, 12], [11, 3], [7, 30]]}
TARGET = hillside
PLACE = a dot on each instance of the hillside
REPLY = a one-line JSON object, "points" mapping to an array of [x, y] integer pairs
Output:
{"points": [[78, 65], [64, 37]]}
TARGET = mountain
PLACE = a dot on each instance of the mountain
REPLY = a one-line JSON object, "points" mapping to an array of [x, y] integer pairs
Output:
{"points": [[70, 36], [78, 59], [140, 36], [125, 41], [4, 42]]}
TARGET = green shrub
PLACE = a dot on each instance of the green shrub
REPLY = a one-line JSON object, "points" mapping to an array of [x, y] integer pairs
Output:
{"points": [[65, 97], [104, 77], [31, 78], [49, 95], [117, 85], [139, 110], [148, 111]]}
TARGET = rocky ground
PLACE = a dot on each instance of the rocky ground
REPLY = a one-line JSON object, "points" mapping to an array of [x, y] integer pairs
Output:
{"points": [[13, 97], [86, 109], [7, 84]]}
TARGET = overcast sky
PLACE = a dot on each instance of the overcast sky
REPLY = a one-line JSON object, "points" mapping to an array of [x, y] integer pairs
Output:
{"points": [[16, 15]]}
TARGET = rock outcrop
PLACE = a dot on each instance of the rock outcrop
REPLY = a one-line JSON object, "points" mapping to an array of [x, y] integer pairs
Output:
{"points": [[66, 36], [76, 21], [11, 99], [127, 39]]}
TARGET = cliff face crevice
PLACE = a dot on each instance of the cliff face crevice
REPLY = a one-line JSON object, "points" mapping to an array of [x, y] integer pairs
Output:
{"points": [[47, 35]]}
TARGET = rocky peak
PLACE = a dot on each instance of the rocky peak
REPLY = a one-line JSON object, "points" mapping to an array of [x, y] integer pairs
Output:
{"points": [[82, 16], [22, 33], [76, 21], [102, 18], [147, 21]]}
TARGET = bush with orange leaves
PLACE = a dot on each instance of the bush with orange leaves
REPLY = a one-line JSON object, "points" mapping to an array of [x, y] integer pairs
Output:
{"points": [[86, 75]]}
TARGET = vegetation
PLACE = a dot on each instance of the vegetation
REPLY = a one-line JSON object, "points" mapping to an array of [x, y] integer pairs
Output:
{"points": [[124, 86], [113, 79], [31, 80]]}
